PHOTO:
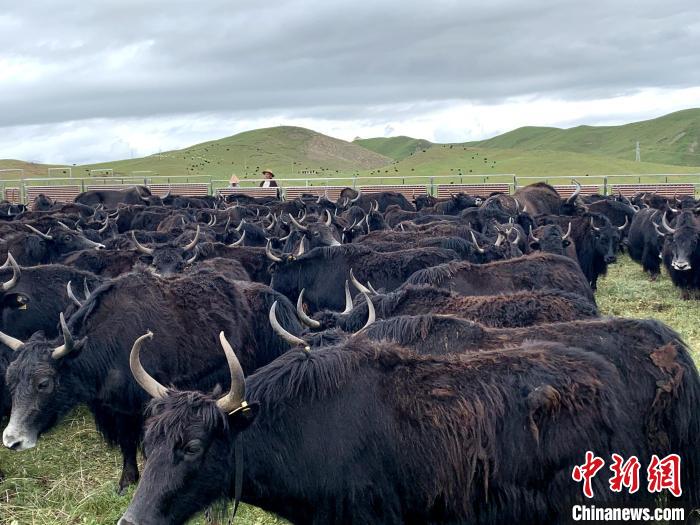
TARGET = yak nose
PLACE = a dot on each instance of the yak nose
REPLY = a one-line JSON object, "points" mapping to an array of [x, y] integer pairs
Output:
{"points": [[681, 265], [12, 442], [610, 259]]}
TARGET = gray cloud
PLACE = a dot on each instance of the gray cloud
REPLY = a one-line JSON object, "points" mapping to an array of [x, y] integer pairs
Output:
{"points": [[67, 61]]}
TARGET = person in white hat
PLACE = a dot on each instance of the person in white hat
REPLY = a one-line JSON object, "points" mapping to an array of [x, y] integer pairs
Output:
{"points": [[268, 180], [233, 181]]}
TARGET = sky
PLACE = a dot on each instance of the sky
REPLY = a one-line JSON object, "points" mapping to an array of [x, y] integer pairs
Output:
{"points": [[97, 81]]}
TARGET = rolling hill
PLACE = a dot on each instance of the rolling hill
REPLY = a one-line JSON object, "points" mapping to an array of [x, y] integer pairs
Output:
{"points": [[671, 139], [398, 148]]}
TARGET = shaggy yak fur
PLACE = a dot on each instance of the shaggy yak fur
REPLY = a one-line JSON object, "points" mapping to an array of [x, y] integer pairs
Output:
{"points": [[185, 314], [536, 271], [418, 439]]}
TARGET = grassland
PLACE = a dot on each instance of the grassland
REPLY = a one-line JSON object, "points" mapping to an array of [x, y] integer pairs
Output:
{"points": [[71, 477]]}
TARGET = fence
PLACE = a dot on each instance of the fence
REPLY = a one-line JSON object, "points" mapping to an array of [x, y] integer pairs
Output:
{"points": [[434, 185]]}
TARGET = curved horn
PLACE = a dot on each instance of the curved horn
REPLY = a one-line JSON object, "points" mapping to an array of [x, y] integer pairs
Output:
{"points": [[376, 206], [299, 226], [239, 242], [71, 295], [302, 249], [517, 204], [64, 226], [68, 345], [270, 255], [212, 221], [357, 283], [354, 223], [532, 235], [140, 247], [272, 224], [312, 323], [86, 289], [143, 378], [658, 231], [478, 248], [371, 314], [666, 224], [194, 241], [499, 239], [624, 225], [574, 195], [568, 232], [593, 225], [277, 327], [236, 394], [357, 198], [104, 228], [329, 219], [11, 342], [16, 273], [371, 288], [43, 235], [348, 298], [517, 236], [240, 225], [192, 259]]}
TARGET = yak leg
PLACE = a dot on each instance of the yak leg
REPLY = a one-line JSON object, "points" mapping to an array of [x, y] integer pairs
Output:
{"points": [[130, 468]]}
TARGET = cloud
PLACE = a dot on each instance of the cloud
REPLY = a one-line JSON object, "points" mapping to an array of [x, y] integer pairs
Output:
{"points": [[362, 65]]}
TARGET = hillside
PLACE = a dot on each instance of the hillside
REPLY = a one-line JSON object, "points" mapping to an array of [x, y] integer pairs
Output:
{"points": [[285, 150], [29, 169], [398, 148], [671, 139]]}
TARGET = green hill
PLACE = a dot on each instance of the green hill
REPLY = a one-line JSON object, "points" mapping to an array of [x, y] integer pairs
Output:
{"points": [[288, 151], [671, 139], [398, 148]]}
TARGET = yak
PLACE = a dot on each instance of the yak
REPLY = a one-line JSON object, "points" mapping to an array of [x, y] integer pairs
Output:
{"points": [[523, 308], [36, 247], [366, 200], [111, 199], [681, 253], [418, 439], [323, 271], [89, 363], [537, 271], [645, 241]]}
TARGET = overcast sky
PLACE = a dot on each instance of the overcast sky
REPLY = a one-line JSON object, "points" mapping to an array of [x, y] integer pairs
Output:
{"points": [[94, 81]]}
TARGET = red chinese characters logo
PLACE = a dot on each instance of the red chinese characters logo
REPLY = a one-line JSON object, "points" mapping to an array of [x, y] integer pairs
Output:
{"points": [[662, 474], [587, 472], [665, 474]]}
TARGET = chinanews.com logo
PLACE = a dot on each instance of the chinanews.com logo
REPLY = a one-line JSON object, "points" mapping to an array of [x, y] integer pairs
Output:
{"points": [[662, 475]]}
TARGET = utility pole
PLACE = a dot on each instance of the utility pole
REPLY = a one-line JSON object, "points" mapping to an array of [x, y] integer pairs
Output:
{"points": [[637, 152]]}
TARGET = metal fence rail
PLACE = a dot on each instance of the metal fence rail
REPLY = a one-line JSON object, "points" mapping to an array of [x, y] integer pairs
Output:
{"points": [[431, 183]]}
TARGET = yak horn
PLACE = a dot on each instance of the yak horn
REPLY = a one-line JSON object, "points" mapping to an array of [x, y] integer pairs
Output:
{"points": [[573, 197], [240, 225], [357, 198], [568, 232], [143, 378], [312, 323], [43, 235], [478, 248], [270, 255], [140, 247], [236, 394], [194, 241], [86, 289], [277, 327], [298, 226], [532, 235], [329, 220], [371, 314], [593, 225], [302, 249], [658, 231], [239, 242], [357, 284], [11, 342], [499, 239], [104, 228], [16, 273], [371, 288], [68, 345], [624, 225], [71, 295], [348, 298], [666, 224]]}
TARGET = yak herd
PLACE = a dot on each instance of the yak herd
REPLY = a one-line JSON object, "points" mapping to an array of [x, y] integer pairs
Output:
{"points": [[369, 360]]}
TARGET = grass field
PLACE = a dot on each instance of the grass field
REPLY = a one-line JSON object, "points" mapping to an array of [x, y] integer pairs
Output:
{"points": [[71, 477]]}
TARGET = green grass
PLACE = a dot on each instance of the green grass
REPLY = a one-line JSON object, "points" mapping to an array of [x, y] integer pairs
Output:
{"points": [[398, 148], [670, 139], [70, 478]]}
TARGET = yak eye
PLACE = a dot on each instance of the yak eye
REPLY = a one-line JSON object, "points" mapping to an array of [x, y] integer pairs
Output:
{"points": [[44, 385], [193, 448]]}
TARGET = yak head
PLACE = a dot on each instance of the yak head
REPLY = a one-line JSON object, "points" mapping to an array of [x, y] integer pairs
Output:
{"points": [[41, 390], [606, 237], [170, 258], [550, 239], [682, 240], [189, 445]]}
